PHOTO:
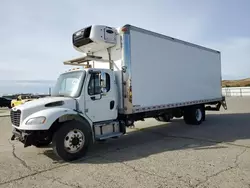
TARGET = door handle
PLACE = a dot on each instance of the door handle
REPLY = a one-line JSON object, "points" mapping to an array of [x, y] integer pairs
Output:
{"points": [[93, 98], [112, 104]]}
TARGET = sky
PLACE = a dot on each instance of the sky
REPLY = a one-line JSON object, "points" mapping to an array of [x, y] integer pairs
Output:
{"points": [[36, 36]]}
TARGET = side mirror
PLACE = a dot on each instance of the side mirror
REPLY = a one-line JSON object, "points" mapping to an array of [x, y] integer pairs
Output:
{"points": [[103, 83], [103, 79]]}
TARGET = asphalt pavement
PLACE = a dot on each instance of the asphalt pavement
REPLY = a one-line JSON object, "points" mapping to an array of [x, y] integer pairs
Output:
{"points": [[153, 154], [4, 112]]}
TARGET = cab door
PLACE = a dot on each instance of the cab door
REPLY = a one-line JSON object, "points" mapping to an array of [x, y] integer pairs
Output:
{"points": [[101, 102]]}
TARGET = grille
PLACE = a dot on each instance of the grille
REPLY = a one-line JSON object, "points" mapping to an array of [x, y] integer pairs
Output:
{"points": [[15, 117]]}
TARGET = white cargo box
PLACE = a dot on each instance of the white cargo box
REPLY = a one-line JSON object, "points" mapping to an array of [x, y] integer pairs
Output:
{"points": [[167, 72]]}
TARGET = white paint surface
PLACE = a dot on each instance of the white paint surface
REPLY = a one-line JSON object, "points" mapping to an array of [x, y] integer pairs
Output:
{"points": [[165, 71]]}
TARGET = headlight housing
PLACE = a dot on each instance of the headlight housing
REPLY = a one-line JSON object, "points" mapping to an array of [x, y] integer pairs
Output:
{"points": [[36, 120]]}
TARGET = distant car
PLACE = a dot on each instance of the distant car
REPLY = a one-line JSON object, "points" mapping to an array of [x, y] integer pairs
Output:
{"points": [[5, 102], [21, 100]]}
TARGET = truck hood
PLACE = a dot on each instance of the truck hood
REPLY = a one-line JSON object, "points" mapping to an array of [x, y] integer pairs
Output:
{"points": [[43, 103]]}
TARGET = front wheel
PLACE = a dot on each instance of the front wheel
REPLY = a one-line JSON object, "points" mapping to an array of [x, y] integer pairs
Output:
{"points": [[72, 140]]}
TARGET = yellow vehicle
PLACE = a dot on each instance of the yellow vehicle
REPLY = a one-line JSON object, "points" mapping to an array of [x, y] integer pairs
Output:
{"points": [[19, 101]]}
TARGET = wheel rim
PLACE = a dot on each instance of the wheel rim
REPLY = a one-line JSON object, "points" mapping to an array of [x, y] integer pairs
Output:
{"points": [[198, 114], [74, 141]]}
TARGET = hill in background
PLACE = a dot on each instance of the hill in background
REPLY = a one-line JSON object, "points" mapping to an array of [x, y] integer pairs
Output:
{"points": [[236, 83]]}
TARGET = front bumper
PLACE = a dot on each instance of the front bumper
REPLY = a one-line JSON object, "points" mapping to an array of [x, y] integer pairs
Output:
{"points": [[22, 136], [29, 138]]}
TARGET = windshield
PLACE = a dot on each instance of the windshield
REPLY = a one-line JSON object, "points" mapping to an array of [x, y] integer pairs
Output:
{"points": [[69, 84]]}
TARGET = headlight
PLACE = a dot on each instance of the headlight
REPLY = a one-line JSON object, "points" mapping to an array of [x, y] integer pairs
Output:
{"points": [[36, 120]]}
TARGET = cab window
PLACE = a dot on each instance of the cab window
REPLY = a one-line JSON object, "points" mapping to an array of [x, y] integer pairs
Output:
{"points": [[94, 87]]}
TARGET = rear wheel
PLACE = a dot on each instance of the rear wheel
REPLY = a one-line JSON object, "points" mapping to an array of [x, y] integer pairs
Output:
{"points": [[204, 114], [194, 115], [164, 118], [158, 118], [72, 140]]}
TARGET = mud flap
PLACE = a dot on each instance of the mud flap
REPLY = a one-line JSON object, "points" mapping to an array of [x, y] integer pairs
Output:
{"points": [[12, 137], [224, 104], [217, 105]]}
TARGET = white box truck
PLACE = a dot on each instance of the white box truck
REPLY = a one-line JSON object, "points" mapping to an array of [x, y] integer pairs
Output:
{"points": [[126, 74]]}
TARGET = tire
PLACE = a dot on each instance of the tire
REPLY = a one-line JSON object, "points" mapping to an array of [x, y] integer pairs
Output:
{"points": [[204, 114], [161, 118], [194, 115], [164, 118], [72, 140], [187, 118], [158, 118]]}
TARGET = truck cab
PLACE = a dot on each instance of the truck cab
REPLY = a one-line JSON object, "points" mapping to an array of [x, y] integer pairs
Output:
{"points": [[93, 90], [83, 106], [84, 96]]}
